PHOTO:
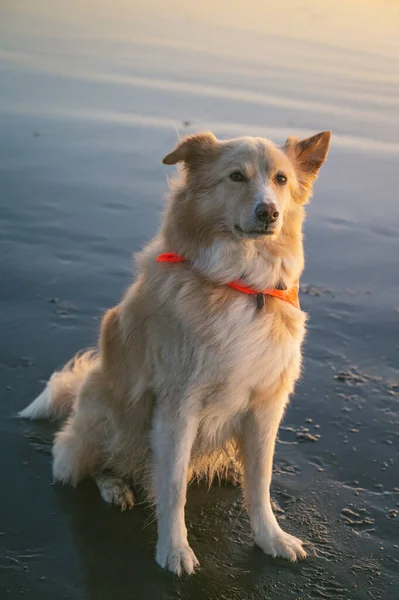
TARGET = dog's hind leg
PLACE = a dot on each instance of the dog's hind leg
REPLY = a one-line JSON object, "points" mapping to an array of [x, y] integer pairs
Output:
{"points": [[78, 447], [76, 457], [114, 490], [75, 454]]}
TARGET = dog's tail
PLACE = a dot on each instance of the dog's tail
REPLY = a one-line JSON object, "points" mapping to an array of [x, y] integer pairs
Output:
{"points": [[59, 396]]}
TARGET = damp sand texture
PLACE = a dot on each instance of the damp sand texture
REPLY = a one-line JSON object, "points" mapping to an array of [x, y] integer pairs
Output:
{"points": [[93, 95]]}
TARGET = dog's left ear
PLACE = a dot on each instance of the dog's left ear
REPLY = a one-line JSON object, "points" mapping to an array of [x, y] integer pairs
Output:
{"points": [[308, 155], [192, 148]]}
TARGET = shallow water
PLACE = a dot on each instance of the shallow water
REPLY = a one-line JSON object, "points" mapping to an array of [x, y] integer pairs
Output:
{"points": [[92, 95]]}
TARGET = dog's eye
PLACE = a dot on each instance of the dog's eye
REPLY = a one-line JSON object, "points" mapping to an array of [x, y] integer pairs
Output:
{"points": [[237, 176], [281, 179]]}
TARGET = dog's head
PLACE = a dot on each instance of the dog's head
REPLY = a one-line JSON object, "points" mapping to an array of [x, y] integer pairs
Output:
{"points": [[245, 187]]}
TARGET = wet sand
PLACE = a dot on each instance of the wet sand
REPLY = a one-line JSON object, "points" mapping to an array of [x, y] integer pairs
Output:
{"points": [[90, 101]]}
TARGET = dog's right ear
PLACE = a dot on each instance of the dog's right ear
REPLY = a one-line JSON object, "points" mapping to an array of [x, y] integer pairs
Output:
{"points": [[191, 148]]}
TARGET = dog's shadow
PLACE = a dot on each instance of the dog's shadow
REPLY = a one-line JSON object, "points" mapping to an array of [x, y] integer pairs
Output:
{"points": [[117, 548]]}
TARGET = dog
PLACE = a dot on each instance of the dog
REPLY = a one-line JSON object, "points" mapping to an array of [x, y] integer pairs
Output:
{"points": [[195, 366]]}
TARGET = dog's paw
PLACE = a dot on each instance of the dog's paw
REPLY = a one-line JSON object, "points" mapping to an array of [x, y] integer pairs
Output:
{"points": [[178, 559], [279, 543], [116, 491]]}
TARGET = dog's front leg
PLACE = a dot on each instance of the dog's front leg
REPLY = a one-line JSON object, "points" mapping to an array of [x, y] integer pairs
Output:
{"points": [[173, 435], [257, 447]]}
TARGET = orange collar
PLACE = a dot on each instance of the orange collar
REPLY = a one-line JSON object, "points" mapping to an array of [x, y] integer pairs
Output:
{"points": [[290, 296]]}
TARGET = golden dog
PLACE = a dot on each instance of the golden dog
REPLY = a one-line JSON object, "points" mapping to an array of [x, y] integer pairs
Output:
{"points": [[196, 365]]}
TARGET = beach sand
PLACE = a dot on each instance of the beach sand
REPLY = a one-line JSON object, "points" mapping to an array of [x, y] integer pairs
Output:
{"points": [[92, 96]]}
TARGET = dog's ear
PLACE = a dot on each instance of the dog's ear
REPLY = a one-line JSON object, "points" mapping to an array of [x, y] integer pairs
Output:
{"points": [[308, 155], [191, 148]]}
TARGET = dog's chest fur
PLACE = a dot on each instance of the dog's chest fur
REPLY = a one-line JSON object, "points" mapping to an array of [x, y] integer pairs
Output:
{"points": [[259, 347], [248, 355], [240, 350]]}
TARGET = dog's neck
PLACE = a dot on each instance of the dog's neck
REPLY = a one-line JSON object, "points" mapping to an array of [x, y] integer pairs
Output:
{"points": [[222, 258]]}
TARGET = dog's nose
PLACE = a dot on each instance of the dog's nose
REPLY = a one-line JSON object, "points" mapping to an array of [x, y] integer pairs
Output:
{"points": [[267, 213]]}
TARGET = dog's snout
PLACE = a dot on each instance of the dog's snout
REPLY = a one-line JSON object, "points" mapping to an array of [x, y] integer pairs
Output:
{"points": [[267, 213]]}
